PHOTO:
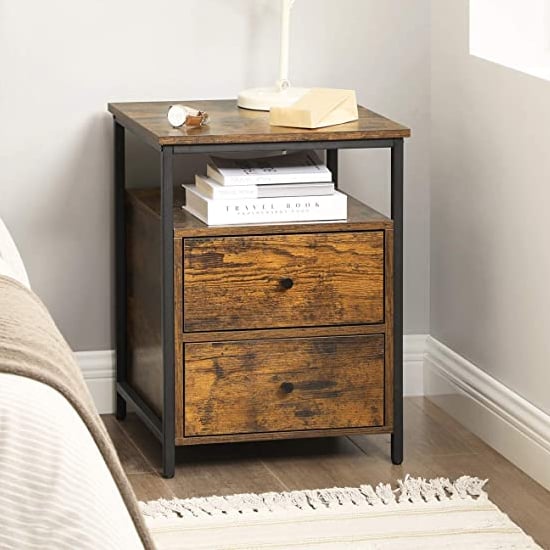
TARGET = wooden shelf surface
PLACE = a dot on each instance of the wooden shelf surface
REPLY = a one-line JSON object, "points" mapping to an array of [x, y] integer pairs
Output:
{"points": [[360, 218], [231, 125]]}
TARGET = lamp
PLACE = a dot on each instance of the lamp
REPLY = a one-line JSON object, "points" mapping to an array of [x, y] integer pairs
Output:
{"points": [[282, 94]]}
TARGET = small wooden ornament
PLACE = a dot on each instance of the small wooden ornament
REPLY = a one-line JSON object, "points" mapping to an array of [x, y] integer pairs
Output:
{"points": [[317, 108]]}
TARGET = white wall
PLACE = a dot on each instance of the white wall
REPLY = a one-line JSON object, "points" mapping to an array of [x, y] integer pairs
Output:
{"points": [[62, 61], [511, 33], [490, 205]]}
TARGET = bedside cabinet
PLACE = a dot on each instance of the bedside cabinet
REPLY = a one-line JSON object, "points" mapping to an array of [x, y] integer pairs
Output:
{"points": [[255, 332]]}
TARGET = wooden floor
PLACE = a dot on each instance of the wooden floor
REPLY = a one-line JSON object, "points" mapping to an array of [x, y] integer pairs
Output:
{"points": [[435, 445]]}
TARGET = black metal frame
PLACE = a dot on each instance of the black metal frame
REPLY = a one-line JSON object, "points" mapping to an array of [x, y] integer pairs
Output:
{"points": [[164, 428]]}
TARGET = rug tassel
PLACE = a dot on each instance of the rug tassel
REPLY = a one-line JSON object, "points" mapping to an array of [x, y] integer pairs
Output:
{"points": [[409, 490]]}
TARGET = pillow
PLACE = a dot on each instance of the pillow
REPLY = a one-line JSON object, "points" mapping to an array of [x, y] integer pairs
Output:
{"points": [[11, 263]]}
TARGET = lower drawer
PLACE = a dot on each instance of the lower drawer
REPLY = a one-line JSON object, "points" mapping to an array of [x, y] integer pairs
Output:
{"points": [[283, 385]]}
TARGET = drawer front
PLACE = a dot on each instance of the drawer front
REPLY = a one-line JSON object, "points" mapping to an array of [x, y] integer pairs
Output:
{"points": [[235, 283], [289, 384]]}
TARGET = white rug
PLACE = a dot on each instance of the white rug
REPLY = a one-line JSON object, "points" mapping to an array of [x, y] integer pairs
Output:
{"points": [[418, 514]]}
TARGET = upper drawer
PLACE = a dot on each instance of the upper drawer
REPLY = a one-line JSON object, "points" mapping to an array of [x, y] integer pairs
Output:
{"points": [[235, 283]]}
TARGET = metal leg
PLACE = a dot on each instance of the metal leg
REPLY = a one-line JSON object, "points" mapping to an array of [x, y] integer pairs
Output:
{"points": [[332, 164], [167, 320], [397, 216], [120, 265], [120, 407]]}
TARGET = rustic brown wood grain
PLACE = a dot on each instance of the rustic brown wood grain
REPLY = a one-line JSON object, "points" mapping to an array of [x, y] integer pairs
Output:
{"points": [[144, 309], [230, 124], [239, 387], [310, 433], [178, 328], [388, 243], [278, 333], [235, 283]]}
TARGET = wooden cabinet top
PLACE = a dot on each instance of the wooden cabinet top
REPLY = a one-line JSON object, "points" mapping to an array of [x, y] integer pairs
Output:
{"points": [[230, 124]]}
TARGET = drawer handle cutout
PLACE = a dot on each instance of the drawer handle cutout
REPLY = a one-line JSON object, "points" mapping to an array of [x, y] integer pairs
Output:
{"points": [[287, 387], [286, 283]]}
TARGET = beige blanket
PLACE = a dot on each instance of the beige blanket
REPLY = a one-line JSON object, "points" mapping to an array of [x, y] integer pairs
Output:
{"points": [[31, 346]]}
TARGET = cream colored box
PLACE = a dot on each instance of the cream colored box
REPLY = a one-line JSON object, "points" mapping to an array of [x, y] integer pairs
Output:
{"points": [[317, 108]]}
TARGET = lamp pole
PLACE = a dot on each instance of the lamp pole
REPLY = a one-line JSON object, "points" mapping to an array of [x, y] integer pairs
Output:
{"points": [[285, 41], [262, 99]]}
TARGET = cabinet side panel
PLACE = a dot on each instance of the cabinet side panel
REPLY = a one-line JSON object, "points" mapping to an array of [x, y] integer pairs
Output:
{"points": [[389, 327], [178, 329], [144, 304]]}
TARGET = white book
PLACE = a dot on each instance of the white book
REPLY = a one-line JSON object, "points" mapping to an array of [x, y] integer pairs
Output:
{"points": [[301, 167], [213, 190], [269, 210]]}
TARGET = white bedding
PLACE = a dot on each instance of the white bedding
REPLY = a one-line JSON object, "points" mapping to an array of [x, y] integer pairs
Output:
{"points": [[11, 263], [56, 491]]}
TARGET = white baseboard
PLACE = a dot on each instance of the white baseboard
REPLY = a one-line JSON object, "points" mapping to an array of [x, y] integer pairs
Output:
{"points": [[98, 368], [414, 348], [499, 416]]}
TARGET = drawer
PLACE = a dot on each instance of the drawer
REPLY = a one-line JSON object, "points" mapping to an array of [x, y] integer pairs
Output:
{"points": [[323, 279], [259, 386]]}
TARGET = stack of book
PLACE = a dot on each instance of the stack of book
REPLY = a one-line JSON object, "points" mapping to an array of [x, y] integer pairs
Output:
{"points": [[284, 188]]}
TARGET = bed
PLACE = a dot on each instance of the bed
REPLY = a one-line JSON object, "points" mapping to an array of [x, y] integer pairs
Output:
{"points": [[61, 484]]}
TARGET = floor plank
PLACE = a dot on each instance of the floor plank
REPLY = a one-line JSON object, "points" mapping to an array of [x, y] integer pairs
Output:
{"points": [[435, 445], [206, 470], [446, 424], [321, 463], [150, 487], [130, 456]]}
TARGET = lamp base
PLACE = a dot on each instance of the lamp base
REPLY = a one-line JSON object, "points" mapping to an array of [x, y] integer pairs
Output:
{"points": [[262, 99]]}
